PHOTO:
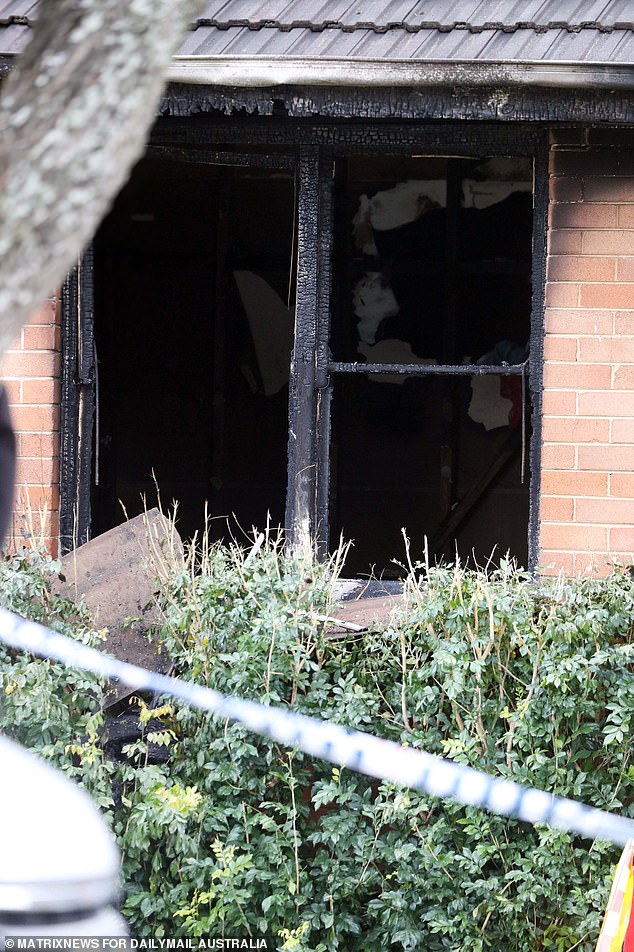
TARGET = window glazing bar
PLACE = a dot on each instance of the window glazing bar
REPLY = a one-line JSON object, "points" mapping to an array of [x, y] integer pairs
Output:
{"points": [[426, 370]]}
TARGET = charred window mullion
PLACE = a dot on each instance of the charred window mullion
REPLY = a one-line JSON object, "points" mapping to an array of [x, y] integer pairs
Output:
{"points": [[301, 487], [77, 404], [323, 382]]}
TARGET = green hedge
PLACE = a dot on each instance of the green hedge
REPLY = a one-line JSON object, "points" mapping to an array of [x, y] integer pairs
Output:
{"points": [[528, 681]]}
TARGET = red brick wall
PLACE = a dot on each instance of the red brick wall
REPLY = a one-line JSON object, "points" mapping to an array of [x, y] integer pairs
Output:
{"points": [[587, 482], [31, 373]]}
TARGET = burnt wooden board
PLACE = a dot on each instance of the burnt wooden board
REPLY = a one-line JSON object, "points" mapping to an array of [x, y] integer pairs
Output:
{"points": [[116, 576], [364, 612]]}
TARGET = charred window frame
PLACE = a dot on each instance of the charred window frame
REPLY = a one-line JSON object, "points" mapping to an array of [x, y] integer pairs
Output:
{"points": [[80, 416], [517, 143], [315, 148], [77, 404]]}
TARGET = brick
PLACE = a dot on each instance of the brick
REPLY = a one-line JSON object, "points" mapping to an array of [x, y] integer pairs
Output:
{"points": [[580, 268], [46, 314], [559, 403], [606, 404], [15, 539], [626, 216], [35, 418], [37, 497], [575, 320], [623, 378], [625, 269], [572, 537], [564, 241], [588, 376], [615, 189], [584, 215], [622, 431], [604, 511], [558, 456], [624, 322], [556, 563], [607, 295], [561, 295], [15, 348], [44, 391], [563, 189], [575, 430], [33, 527], [622, 540], [622, 485], [614, 242], [30, 364], [38, 445], [607, 348], [13, 389], [574, 483], [556, 508], [613, 458], [40, 337], [560, 348], [39, 471], [596, 565]]}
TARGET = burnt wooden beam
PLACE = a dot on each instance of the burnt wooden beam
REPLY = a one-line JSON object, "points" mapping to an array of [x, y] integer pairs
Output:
{"points": [[323, 382], [302, 469], [77, 443], [460, 101]]}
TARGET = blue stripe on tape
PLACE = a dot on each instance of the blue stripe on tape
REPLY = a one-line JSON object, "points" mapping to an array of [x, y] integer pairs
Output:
{"points": [[363, 752]]}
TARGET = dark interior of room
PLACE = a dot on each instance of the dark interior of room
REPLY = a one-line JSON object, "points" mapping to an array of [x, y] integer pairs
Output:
{"points": [[433, 265], [192, 375], [194, 304]]}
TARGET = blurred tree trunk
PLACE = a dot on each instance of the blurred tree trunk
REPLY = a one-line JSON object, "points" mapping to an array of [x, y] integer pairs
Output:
{"points": [[74, 117]]}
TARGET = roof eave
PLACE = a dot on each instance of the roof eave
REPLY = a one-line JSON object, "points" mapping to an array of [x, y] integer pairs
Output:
{"points": [[259, 71]]}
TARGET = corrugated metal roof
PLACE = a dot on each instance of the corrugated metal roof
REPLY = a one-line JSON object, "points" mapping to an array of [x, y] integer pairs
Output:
{"points": [[513, 32], [429, 44], [17, 12], [444, 15]]}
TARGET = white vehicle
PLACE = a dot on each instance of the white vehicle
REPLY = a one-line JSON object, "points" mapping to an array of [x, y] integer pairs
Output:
{"points": [[59, 865]]}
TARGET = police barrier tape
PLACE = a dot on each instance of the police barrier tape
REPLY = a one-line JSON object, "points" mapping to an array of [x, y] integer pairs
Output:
{"points": [[365, 753]]}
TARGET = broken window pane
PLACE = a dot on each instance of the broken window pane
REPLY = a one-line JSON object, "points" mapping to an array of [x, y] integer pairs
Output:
{"points": [[433, 266], [409, 454], [194, 324], [433, 253]]}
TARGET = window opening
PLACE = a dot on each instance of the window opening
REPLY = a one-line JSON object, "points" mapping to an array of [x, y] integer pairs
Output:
{"points": [[430, 328], [194, 302]]}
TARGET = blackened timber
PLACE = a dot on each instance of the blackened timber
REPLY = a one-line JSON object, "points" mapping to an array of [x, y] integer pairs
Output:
{"points": [[78, 404], [301, 488], [86, 309], [86, 386], [208, 157], [352, 137], [69, 412], [322, 351], [456, 102], [536, 356], [426, 370]]}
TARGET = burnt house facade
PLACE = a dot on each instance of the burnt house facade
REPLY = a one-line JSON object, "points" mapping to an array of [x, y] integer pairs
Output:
{"points": [[374, 273]]}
